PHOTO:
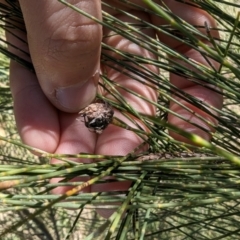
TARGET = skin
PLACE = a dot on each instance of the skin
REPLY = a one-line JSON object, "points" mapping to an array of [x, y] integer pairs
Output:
{"points": [[65, 50]]}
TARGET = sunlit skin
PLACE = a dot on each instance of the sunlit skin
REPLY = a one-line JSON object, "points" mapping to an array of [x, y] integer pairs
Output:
{"points": [[65, 50]]}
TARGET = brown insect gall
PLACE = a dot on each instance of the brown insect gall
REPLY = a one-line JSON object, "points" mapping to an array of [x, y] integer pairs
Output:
{"points": [[97, 116]]}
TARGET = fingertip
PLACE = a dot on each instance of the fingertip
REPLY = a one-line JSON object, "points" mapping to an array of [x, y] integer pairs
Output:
{"points": [[36, 119], [117, 141], [193, 130], [76, 97], [36, 138], [190, 123], [192, 118]]}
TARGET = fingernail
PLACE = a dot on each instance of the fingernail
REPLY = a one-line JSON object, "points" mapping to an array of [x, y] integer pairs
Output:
{"points": [[77, 96]]}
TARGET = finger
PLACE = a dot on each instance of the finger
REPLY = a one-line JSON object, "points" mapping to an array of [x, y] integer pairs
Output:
{"points": [[75, 139], [36, 118], [115, 140], [196, 17], [65, 50]]}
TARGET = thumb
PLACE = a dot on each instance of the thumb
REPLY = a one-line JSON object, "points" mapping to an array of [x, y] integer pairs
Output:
{"points": [[65, 50]]}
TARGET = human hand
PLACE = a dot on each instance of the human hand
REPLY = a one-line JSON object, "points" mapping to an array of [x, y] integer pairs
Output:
{"points": [[65, 50]]}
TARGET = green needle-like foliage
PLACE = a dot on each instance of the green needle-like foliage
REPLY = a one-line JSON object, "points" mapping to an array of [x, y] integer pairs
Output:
{"points": [[178, 191]]}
